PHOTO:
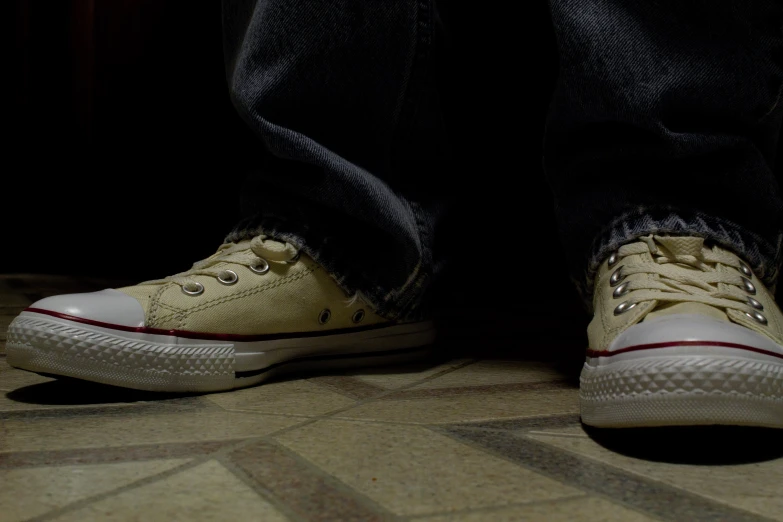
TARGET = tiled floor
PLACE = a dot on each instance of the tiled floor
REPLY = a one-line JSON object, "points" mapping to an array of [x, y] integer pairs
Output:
{"points": [[445, 440]]}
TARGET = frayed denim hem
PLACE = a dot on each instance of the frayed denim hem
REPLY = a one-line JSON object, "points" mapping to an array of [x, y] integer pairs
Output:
{"points": [[761, 255]]}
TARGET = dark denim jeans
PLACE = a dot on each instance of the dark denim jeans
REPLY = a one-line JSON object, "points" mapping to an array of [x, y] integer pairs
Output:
{"points": [[665, 118]]}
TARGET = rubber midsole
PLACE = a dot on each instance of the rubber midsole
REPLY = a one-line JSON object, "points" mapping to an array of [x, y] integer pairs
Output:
{"points": [[252, 355]]}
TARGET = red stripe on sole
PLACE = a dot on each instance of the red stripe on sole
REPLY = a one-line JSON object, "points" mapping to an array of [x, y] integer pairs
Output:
{"points": [[671, 344]]}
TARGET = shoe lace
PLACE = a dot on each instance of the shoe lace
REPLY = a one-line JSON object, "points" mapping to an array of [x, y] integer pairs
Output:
{"points": [[258, 251], [683, 270]]}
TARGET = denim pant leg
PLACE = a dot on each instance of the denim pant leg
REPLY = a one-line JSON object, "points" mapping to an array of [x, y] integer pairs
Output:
{"points": [[342, 97], [666, 119]]}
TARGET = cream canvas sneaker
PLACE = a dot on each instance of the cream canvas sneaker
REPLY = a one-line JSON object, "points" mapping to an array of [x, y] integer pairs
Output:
{"points": [[683, 334], [230, 321]]}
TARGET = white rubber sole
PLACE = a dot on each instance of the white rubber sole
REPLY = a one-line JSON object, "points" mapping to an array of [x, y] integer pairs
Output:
{"points": [[157, 362], [661, 387]]}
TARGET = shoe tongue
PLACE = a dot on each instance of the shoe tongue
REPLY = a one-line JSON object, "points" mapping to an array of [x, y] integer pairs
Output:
{"points": [[687, 308], [681, 245]]}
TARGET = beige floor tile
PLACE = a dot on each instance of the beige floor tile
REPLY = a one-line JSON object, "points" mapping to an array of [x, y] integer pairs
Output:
{"points": [[30, 492], [485, 373], [394, 377], [129, 429], [579, 509], [481, 406], [11, 378], [206, 492], [756, 487], [411, 470], [296, 397]]}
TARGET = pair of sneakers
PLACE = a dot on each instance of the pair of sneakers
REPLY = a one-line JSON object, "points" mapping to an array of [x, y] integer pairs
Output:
{"points": [[683, 333]]}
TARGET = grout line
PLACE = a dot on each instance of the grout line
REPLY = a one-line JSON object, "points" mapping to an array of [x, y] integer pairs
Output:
{"points": [[560, 435], [270, 414], [329, 479], [492, 509], [92, 456], [631, 490], [362, 402], [334, 383], [374, 390], [260, 489], [171, 406], [461, 391], [195, 462], [586, 492], [445, 424], [329, 416], [517, 424]]}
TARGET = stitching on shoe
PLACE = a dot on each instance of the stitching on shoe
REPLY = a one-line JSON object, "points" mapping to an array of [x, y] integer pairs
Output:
{"points": [[170, 308], [245, 293], [154, 302]]}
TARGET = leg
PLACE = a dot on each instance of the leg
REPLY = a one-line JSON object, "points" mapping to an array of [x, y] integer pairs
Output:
{"points": [[666, 118], [665, 122], [342, 96]]}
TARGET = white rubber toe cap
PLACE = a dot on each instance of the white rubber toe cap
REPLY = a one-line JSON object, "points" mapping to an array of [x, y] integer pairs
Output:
{"points": [[106, 306], [677, 328]]}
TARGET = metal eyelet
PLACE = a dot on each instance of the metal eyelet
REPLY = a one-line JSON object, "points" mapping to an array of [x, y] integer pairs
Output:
{"points": [[612, 259], [745, 270], [358, 316], [756, 316], [193, 288], [324, 316], [260, 266], [620, 291], [749, 287], [623, 307], [230, 280], [755, 304], [295, 258], [617, 276]]}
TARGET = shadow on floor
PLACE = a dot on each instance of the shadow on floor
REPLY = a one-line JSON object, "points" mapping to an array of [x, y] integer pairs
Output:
{"points": [[64, 391], [67, 391], [695, 445]]}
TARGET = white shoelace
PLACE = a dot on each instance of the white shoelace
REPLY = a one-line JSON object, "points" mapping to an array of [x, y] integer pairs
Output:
{"points": [[686, 271], [259, 251]]}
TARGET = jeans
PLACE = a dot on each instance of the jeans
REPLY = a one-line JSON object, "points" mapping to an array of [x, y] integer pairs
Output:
{"points": [[665, 119]]}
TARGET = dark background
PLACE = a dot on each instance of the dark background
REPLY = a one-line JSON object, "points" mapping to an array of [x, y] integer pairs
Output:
{"points": [[126, 157], [125, 140]]}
